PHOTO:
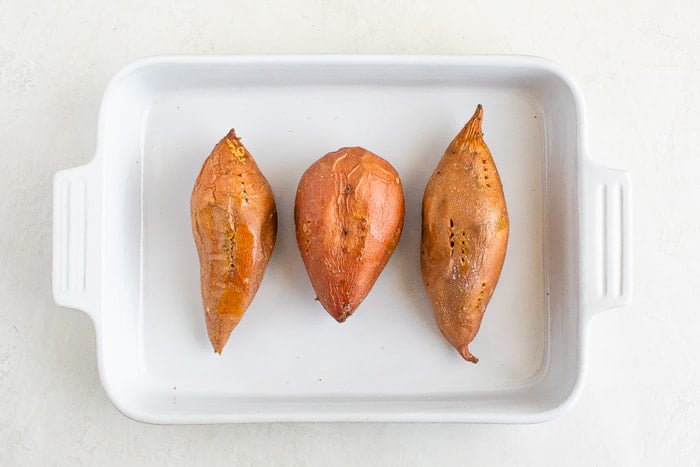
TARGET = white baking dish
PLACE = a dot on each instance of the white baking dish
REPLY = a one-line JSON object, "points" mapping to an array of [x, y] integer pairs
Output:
{"points": [[124, 253]]}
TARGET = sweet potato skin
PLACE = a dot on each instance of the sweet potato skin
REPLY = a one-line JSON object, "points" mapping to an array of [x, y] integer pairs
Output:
{"points": [[464, 235], [349, 213], [234, 222]]}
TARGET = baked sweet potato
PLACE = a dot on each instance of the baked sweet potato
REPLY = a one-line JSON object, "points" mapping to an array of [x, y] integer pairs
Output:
{"points": [[349, 212], [464, 235], [234, 221]]}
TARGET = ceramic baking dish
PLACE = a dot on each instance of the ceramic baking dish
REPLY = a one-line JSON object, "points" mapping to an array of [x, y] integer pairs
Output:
{"points": [[124, 253]]}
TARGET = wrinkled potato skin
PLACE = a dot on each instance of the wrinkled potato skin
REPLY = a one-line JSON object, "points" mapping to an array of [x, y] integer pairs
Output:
{"points": [[349, 213], [464, 235], [234, 222]]}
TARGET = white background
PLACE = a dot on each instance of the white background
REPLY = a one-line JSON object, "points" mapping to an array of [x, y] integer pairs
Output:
{"points": [[638, 63]]}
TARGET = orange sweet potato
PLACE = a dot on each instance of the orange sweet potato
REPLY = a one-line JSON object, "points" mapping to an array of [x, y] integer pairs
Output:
{"points": [[349, 212], [464, 235], [234, 221]]}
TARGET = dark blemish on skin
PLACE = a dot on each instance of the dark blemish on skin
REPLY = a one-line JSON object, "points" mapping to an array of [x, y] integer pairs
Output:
{"points": [[347, 190], [230, 247]]}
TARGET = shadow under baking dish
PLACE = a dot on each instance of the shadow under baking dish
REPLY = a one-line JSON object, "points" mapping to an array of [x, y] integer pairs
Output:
{"points": [[288, 359]]}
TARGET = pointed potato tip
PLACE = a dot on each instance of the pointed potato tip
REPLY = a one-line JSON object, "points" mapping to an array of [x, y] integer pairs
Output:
{"points": [[470, 134], [339, 311], [477, 117], [340, 316], [232, 134], [467, 355], [218, 342]]}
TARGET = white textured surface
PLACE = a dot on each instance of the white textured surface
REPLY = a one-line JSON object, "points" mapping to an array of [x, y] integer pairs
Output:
{"points": [[639, 66]]}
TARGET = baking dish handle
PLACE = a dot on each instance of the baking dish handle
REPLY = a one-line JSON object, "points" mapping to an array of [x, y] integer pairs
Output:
{"points": [[76, 238], [607, 279]]}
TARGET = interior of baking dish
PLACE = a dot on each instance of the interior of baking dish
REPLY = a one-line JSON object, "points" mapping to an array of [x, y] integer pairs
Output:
{"points": [[288, 360]]}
